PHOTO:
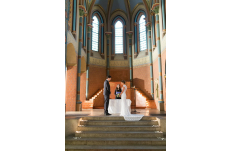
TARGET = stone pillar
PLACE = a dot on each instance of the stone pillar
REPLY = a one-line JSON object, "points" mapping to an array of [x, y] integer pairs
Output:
{"points": [[82, 11], [67, 9], [84, 32], [130, 56], [135, 40], [125, 43], [89, 28], [112, 43], [150, 56], [108, 34], [102, 40], [153, 30], [156, 10], [74, 19], [163, 15]]}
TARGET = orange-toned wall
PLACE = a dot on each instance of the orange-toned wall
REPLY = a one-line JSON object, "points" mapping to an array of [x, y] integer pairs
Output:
{"points": [[120, 74], [83, 87], [142, 79], [71, 77], [156, 76], [163, 59], [97, 76]]}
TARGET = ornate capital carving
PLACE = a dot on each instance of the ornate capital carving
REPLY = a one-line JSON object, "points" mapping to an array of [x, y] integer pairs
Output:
{"points": [[89, 26], [148, 25], [82, 10], [155, 8], [129, 34], [108, 34]]}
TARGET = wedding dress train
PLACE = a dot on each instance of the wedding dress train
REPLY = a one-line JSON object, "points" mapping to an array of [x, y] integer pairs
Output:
{"points": [[125, 112]]}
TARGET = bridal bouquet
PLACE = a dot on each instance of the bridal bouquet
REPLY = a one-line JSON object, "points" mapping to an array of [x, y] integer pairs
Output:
{"points": [[118, 94]]}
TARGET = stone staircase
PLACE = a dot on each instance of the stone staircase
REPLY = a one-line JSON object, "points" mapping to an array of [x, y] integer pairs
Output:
{"points": [[113, 133], [88, 104], [150, 104]]}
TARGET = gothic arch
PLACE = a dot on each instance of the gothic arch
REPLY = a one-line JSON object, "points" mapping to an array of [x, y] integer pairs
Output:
{"points": [[101, 30], [136, 31], [120, 18]]}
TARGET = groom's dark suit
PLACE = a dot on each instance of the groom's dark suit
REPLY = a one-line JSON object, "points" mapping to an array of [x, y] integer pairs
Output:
{"points": [[106, 94]]}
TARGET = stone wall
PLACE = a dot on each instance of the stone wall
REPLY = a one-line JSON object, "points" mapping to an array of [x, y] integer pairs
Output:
{"points": [[97, 76], [119, 74], [142, 79], [71, 78]]}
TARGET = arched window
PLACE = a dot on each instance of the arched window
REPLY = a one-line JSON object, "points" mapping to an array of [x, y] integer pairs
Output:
{"points": [[95, 34], [118, 37], [142, 33]]}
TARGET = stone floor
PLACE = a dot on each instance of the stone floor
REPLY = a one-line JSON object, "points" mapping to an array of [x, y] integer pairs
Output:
{"points": [[100, 112], [92, 131]]}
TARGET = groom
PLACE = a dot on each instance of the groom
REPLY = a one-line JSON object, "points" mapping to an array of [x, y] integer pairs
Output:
{"points": [[106, 94]]}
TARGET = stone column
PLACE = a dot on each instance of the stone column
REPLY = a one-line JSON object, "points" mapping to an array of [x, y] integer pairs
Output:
{"points": [[130, 55], [74, 20], [89, 28], [108, 34], [84, 32], [125, 43], [150, 56], [156, 10], [135, 40], [82, 11], [163, 15], [101, 40], [153, 30]]}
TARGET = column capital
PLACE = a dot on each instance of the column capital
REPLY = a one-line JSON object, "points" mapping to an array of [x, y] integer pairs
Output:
{"points": [[89, 26], [155, 8], [108, 34], [82, 10], [129, 33], [148, 25]]}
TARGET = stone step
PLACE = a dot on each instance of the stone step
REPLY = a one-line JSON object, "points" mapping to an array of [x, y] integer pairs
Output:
{"points": [[136, 123], [119, 128], [113, 148], [116, 134], [115, 141], [115, 118]]}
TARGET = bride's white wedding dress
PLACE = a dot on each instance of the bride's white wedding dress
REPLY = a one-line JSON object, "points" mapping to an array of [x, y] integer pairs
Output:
{"points": [[125, 111]]}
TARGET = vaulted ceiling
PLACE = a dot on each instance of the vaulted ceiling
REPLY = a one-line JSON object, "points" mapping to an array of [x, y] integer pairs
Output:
{"points": [[126, 6]]}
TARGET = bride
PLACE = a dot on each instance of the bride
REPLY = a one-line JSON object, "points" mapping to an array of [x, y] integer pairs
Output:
{"points": [[125, 111]]}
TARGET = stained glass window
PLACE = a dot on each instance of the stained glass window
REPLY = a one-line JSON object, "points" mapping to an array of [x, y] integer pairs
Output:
{"points": [[95, 34], [142, 33], [118, 37]]}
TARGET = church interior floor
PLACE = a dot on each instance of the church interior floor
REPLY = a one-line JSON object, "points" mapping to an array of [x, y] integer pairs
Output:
{"points": [[100, 112]]}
